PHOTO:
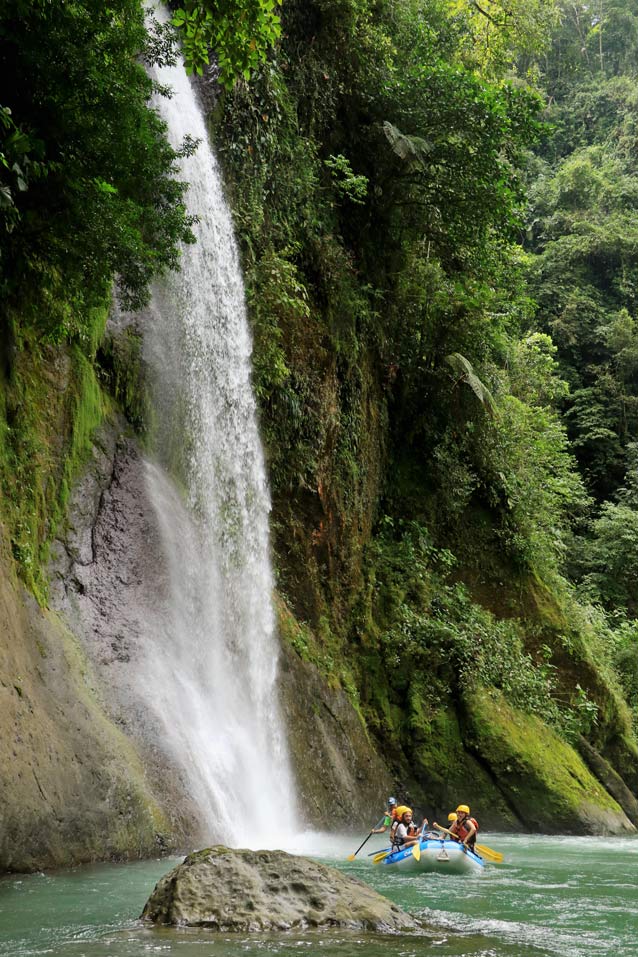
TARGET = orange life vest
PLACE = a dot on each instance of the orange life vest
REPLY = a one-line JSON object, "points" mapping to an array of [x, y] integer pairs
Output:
{"points": [[461, 830]]}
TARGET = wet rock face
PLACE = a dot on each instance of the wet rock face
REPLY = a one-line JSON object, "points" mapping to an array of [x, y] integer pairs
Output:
{"points": [[248, 891], [324, 731], [110, 584]]}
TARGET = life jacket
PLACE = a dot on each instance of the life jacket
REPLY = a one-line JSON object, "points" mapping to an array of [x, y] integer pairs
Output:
{"points": [[411, 831], [461, 830]]}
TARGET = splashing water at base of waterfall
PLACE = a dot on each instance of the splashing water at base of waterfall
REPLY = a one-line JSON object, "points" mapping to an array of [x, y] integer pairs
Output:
{"points": [[209, 675]]}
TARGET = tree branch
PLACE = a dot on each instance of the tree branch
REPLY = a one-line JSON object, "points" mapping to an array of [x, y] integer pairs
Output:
{"points": [[487, 15]]}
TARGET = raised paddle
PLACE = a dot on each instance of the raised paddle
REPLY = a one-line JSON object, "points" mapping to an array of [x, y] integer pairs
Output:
{"points": [[351, 857], [483, 850]]}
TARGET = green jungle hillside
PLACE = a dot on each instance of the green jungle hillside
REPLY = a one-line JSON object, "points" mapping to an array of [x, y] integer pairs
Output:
{"points": [[437, 207]]}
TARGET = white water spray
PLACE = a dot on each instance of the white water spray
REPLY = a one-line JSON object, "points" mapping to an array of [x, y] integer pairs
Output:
{"points": [[209, 676]]}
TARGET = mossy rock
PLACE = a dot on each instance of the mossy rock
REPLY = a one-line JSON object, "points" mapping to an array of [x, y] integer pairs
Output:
{"points": [[541, 776], [452, 775], [73, 788]]}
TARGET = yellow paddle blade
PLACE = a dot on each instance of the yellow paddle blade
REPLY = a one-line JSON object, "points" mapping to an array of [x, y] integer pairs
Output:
{"points": [[416, 851], [379, 857], [350, 857], [491, 855]]}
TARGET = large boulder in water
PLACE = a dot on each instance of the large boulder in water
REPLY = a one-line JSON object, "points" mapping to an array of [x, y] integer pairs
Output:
{"points": [[228, 890]]}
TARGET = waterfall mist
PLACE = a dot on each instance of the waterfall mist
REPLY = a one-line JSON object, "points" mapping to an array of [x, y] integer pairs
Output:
{"points": [[208, 672]]}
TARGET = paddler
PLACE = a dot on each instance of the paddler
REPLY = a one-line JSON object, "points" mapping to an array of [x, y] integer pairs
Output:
{"points": [[389, 817], [404, 833], [464, 828]]}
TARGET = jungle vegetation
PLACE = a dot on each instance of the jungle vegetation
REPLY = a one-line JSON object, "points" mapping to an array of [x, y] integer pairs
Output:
{"points": [[436, 206], [436, 203]]}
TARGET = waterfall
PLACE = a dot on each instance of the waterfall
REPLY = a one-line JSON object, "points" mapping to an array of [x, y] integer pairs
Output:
{"points": [[208, 673]]}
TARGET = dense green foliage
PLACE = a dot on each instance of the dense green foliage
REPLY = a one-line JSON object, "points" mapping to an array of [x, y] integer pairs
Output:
{"points": [[380, 173], [239, 32], [584, 276], [88, 181], [582, 230], [88, 194]]}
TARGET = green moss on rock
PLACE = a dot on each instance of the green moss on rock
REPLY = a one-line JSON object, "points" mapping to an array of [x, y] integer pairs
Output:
{"points": [[51, 404], [538, 772]]}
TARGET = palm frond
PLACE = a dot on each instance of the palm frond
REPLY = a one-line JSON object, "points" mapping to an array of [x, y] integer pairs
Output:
{"points": [[464, 371], [413, 150]]}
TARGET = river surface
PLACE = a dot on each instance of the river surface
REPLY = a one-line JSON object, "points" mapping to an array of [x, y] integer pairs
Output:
{"points": [[553, 897]]}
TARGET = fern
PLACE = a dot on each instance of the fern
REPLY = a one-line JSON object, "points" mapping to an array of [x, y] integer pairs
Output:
{"points": [[464, 370], [411, 149]]}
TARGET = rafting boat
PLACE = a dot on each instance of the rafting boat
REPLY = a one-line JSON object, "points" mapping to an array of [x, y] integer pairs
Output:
{"points": [[440, 855]]}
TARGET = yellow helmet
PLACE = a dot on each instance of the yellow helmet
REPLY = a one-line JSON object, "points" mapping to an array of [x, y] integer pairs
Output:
{"points": [[400, 811], [464, 808], [451, 816]]}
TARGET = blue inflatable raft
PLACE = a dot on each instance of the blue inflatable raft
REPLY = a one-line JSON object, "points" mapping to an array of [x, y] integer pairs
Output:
{"points": [[438, 855]]}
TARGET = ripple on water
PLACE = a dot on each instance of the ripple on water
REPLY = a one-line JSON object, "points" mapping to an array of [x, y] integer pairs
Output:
{"points": [[553, 898], [544, 938]]}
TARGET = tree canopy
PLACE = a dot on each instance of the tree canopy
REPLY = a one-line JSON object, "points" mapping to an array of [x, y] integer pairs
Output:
{"points": [[89, 187]]}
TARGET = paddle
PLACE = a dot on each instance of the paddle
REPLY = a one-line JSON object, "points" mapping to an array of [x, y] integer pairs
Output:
{"points": [[483, 850], [351, 857], [491, 855], [416, 848], [381, 855]]}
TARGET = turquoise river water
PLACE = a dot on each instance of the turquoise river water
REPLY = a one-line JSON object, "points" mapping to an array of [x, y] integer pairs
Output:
{"points": [[553, 897]]}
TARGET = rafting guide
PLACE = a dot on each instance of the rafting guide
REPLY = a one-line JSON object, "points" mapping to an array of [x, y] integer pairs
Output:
{"points": [[389, 817]]}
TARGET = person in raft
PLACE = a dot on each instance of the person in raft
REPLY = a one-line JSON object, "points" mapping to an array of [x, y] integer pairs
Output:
{"points": [[464, 828], [389, 817], [404, 833]]}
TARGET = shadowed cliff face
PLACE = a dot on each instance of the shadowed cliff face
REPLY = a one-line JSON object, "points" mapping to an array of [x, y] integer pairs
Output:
{"points": [[71, 786], [109, 583], [342, 781]]}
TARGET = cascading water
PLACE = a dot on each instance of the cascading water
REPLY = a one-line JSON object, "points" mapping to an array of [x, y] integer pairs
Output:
{"points": [[208, 675]]}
